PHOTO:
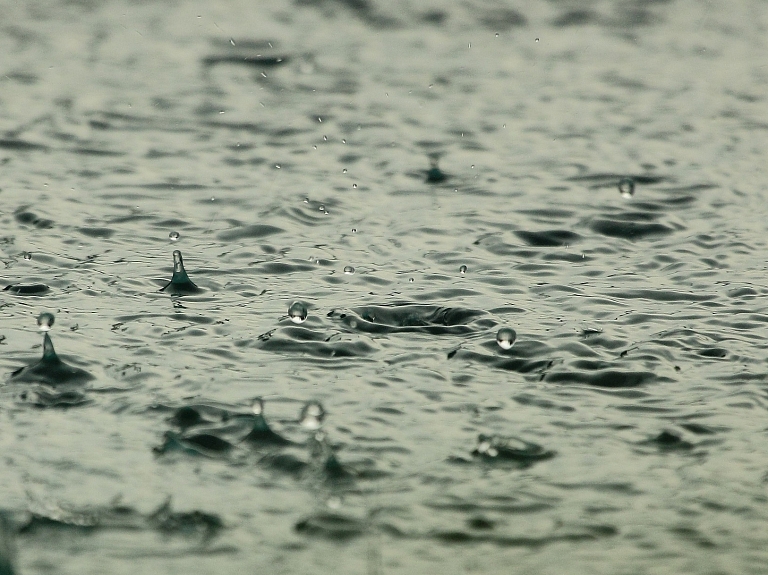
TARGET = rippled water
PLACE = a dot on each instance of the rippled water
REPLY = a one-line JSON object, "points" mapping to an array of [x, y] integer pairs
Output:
{"points": [[417, 177]]}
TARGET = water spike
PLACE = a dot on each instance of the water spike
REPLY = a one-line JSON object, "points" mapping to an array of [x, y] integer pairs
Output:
{"points": [[49, 354], [180, 282], [260, 432]]}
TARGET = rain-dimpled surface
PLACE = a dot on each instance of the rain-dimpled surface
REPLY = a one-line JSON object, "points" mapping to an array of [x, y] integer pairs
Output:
{"points": [[625, 430]]}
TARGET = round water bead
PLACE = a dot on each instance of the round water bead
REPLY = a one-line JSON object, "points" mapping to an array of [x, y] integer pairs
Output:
{"points": [[506, 337], [297, 313], [626, 187], [45, 321], [349, 270], [27, 256], [312, 415], [258, 406], [174, 236], [463, 270]]}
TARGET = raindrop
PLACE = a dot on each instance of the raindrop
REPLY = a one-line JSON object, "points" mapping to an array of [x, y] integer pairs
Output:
{"points": [[537, 39], [27, 256], [410, 280], [322, 208], [354, 230], [325, 138], [506, 337], [258, 406], [45, 321], [344, 171], [497, 34], [343, 141], [297, 313], [349, 270], [312, 415], [354, 185], [232, 41], [278, 166], [627, 187], [174, 236], [463, 270]]}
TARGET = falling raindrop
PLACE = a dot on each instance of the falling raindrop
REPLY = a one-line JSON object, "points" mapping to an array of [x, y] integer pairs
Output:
{"points": [[312, 415], [174, 236], [349, 270], [297, 313], [258, 406], [463, 270], [354, 230], [410, 280], [27, 256], [506, 337], [627, 187], [45, 321]]}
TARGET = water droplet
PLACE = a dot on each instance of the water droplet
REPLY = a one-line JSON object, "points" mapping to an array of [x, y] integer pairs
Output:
{"points": [[627, 187], [349, 270], [319, 119], [497, 34], [506, 337], [354, 185], [278, 166], [258, 406], [537, 39], [322, 208], [410, 280], [312, 415], [463, 270], [297, 313], [325, 138], [45, 321], [174, 236], [343, 141], [27, 256], [354, 230], [344, 171]]}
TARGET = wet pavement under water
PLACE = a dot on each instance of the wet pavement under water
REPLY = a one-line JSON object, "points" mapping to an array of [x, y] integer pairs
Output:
{"points": [[368, 197]]}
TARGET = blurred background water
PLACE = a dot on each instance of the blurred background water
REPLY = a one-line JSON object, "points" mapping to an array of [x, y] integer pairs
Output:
{"points": [[418, 176]]}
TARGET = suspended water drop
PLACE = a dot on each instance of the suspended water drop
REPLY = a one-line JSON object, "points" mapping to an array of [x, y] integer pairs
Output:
{"points": [[497, 34], [344, 171], [232, 41], [349, 270], [506, 337], [322, 208], [27, 256], [45, 321], [537, 39], [174, 236], [354, 230], [297, 313], [463, 270], [627, 187], [410, 280], [354, 185], [258, 406], [312, 415]]}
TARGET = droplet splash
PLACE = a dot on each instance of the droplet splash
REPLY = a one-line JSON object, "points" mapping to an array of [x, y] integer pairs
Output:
{"points": [[174, 236], [506, 337], [627, 187], [180, 282], [297, 312], [45, 321], [349, 270], [312, 415]]}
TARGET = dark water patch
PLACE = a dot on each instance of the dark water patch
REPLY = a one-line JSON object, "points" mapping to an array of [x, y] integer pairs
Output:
{"points": [[306, 341], [20, 145], [249, 60], [576, 18], [284, 463], [362, 9], [501, 19], [549, 238], [404, 317], [669, 441], [600, 374], [587, 533], [271, 269], [206, 444], [612, 179], [31, 219], [333, 526], [97, 152], [27, 290], [249, 232], [100, 233], [7, 547], [629, 230], [53, 398]]}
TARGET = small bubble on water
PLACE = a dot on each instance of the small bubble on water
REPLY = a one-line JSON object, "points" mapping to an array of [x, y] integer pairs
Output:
{"points": [[506, 337], [174, 236], [312, 415], [258, 406], [349, 270], [463, 270], [627, 187], [297, 313], [45, 321], [27, 256]]}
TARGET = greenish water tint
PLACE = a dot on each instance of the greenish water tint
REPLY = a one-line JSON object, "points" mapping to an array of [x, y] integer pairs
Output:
{"points": [[526, 247]]}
